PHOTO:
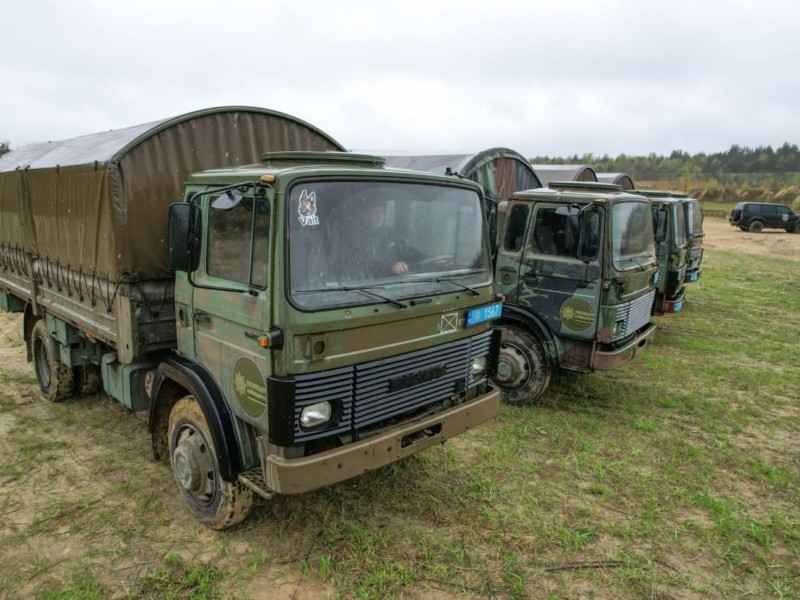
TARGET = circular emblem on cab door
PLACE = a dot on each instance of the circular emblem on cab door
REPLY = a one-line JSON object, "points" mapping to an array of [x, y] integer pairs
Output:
{"points": [[577, 314], [250, 388]]}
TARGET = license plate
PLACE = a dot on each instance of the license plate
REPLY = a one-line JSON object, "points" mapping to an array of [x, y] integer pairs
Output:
{"points": [[693, 277], [677, 306], [484, 313]]}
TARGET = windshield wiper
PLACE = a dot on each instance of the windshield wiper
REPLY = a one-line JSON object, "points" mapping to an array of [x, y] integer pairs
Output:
{"points": [[363, 290], [642, 267], [450, 279]]}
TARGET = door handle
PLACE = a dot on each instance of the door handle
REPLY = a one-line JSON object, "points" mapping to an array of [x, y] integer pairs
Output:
{"points": [[202, 317]]}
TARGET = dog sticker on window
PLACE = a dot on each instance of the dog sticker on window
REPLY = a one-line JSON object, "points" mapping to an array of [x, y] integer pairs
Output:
{"points": [[307, 209]]}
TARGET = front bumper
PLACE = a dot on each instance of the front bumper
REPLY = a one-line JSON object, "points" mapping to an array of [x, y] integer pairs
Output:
{"points": [[607, 360], [298, 475], [675, 304]]}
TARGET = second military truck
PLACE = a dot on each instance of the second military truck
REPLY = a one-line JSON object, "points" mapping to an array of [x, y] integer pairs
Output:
{"points": [[576, 264]]}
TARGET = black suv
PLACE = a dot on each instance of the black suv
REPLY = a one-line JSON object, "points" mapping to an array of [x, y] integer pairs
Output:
{"points": [[755, 216]]}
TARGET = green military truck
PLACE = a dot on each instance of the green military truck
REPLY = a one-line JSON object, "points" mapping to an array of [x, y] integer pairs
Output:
{"points": [[576, 264], [672, 250], [292, 324], [694, 235]]}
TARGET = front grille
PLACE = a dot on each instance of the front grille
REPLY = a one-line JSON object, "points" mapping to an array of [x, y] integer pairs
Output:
{"points": [[675, 282], [696, 257], [635, 314], [374, 392]]}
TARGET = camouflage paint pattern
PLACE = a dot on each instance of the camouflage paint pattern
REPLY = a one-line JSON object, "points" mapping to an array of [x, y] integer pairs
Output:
{"points": [[580, 303], [672, 253]]}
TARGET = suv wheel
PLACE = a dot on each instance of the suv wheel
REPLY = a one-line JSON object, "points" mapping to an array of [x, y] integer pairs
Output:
{"points": [[756, 227]]}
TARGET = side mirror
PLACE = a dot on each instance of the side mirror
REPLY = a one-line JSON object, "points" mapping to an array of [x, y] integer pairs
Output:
{"points": [[661, 225], [185, 224], [589, 245]]}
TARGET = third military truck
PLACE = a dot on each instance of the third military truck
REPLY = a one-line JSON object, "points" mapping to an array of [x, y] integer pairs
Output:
{"points": [[576, 264]]}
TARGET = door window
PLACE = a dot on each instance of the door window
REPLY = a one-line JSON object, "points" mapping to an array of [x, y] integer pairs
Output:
{"points": [[515, 228], [238, 242]]}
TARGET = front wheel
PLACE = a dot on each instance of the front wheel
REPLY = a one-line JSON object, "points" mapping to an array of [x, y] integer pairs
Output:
{"points": [[522, 370], [217, 503], [54, 377]]}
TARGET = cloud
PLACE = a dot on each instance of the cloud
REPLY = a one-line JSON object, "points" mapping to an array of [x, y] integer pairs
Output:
{"points": [[543, 78]]}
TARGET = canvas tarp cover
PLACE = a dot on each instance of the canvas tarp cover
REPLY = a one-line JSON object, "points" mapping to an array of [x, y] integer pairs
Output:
{"points": [[622, 179], [501, 171], [99, 203], [549, 173]]}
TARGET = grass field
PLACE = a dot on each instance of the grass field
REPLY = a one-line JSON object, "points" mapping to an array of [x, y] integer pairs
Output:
{"points": [[675, 477]]}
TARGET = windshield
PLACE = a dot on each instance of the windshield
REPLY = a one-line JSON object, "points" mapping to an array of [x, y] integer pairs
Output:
{"points": [[694, 217], [359, 242], [679, 223], [633, 241]]}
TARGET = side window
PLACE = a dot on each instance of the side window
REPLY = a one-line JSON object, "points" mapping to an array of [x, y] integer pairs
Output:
{"points": [[754, 209], [231, 240], [590, 240], [552, 235], [515, 228]]}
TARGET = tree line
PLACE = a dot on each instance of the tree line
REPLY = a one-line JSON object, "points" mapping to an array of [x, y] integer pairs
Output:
{"points": [[763, 161]]}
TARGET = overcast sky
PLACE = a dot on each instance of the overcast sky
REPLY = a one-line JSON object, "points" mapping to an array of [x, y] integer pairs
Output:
{"points": [[551, 78]]}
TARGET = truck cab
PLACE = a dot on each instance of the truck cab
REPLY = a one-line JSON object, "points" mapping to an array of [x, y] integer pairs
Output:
{"points": [[576, 264], [340, 312], [672, 250]]}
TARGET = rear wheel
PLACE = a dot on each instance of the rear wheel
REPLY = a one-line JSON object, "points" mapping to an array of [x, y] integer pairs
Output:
{"points": [[522, 370], [217, 503], [756, 227], [743, 228], [55, 378]]}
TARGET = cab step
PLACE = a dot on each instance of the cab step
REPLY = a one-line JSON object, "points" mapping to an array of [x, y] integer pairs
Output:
{"points": [[254, 479]]}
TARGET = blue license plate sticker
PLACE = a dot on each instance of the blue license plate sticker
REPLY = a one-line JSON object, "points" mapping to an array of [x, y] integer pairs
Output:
{"points": [[693, 277], [678, 306], [484, 313]]}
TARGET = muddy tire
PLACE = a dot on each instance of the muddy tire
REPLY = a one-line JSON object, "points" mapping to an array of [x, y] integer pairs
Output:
{"points": [[522, 370], [54, 377], [756, 227], [797, 227], [87, 379], [217, 503]]}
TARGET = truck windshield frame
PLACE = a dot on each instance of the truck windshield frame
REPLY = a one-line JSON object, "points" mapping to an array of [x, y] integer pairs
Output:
{"points": [[398, 237], [694, 218], [632, 235]]}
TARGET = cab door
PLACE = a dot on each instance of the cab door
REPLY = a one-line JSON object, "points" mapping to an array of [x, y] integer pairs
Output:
{"points": [[560, 288], [230, 307]]}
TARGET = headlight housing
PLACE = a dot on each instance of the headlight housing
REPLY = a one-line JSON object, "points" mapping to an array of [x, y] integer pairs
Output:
{"points": [[316, 414], [479, 365]]}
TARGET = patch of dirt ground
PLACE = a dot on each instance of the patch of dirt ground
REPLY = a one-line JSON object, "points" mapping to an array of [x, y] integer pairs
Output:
{"points": [[720, 235]]}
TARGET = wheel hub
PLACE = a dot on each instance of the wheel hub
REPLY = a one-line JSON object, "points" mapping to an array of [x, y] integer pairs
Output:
{"points": [[513, 369], [193, 465]]}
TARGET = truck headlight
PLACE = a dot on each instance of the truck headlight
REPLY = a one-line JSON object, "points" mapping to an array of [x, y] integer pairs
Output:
{"points": [[479, 365], [316, 414]]}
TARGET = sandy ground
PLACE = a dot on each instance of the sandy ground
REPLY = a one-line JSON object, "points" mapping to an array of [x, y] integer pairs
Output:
{"points": [[720, 235], [67, 501]]}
